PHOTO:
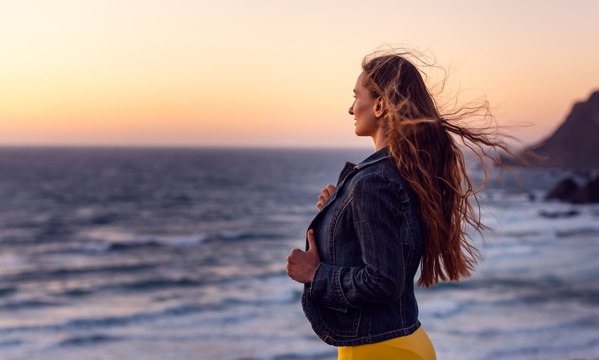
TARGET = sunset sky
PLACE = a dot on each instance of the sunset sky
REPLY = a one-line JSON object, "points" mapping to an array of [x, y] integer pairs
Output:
{"points": [[273, 73]]}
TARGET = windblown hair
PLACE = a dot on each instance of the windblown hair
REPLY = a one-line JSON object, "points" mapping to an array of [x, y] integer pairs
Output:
{"points": [[424, 144]]}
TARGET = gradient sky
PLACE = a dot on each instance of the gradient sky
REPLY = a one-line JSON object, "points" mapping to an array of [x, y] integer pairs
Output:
{"points": [[273, 73]]}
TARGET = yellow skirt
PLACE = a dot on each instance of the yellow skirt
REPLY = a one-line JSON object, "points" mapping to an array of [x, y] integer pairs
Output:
{"points": [[416, 346]]}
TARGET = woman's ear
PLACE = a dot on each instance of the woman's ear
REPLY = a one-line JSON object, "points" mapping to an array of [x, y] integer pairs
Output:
{"points": [[379, 107]]}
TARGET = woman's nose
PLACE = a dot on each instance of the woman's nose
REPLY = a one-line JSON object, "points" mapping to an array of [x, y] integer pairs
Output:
{"points": [[351, 110]]}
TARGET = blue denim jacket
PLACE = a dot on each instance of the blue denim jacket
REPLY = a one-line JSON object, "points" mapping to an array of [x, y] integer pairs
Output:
{"points": [[370, 244]]}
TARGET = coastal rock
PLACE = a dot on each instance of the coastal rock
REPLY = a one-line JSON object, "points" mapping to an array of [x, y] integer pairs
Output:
{"points": [[564, 190], [558, 214], [567, 190], [589, 193], [575, 144]]}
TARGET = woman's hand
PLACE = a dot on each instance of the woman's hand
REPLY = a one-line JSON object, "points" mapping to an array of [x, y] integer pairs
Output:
{"points": [[326, 192], [301, 265]]}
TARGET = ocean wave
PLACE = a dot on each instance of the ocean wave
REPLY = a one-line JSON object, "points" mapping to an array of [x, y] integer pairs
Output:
{"points": [[7, 291], [41, 273], [578, 232], [75, 248], [188, 240], [112, 321], [159, 283], [440, 309], [11, 342], [77, 292], [102, 240], [244, 235], [99, 247], [520, 233], [103, 269], [185, 309], [182, 309], [145, 284], [510, 252], [85, 323], [89, 339], [104, 219], [153, 242], [278, 296], [29, 303], [107, 321], [131, 246], [511, 284], [507, 345]]}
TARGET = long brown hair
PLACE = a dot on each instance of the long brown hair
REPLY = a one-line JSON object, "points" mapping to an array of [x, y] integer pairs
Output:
{"points": [[424, 144]]}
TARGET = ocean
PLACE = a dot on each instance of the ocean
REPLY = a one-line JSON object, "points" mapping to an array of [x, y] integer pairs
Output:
{"points": [[179, 253]]}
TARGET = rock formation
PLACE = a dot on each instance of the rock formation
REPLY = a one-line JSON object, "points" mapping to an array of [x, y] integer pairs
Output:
{"points": [[563, 190], [569, 191], [575, 144]]}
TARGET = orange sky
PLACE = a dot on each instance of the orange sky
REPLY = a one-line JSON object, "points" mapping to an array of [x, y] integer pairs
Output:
{"points": [[272, 73]]}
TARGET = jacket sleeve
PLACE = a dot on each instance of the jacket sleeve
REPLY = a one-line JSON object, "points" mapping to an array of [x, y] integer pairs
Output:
{"points": [[377, 223]]}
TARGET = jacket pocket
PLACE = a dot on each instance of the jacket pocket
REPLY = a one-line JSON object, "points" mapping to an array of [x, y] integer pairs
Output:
{"points": [[341, 322]]}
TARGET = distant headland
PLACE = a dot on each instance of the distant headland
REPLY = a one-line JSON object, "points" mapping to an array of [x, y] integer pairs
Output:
{"points": [[575, 144]]}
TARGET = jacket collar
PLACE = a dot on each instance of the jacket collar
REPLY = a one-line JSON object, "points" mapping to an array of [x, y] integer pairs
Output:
{"points": [[382, 154]]}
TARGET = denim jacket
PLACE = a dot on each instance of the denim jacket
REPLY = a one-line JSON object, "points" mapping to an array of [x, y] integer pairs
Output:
{"points": [[370, 243]]}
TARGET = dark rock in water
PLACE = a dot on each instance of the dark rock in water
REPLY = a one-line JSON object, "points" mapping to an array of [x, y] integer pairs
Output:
{"points": [[558, 214], [567, 190], [589, 193], [564, 190], [575, 144]]}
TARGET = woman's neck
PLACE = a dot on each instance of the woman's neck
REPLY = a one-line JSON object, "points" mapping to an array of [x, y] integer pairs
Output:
{"points": [[380, 140]]}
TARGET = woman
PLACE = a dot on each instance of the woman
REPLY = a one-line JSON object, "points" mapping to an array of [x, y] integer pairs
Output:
{"points": [[406, 204]]}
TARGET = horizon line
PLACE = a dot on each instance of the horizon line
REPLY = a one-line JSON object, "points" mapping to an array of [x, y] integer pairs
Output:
{"points": [[173, 146]]}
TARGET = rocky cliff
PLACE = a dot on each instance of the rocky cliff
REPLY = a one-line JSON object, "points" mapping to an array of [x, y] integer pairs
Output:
{"points": [[575, 144]]}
